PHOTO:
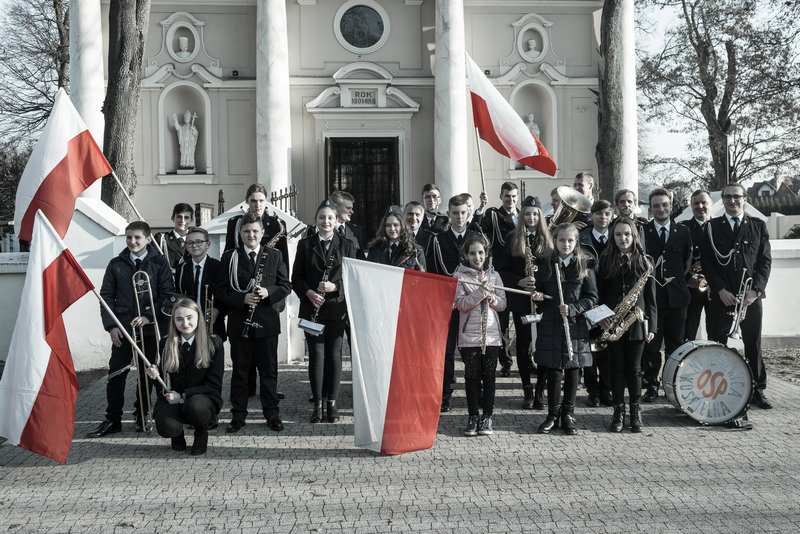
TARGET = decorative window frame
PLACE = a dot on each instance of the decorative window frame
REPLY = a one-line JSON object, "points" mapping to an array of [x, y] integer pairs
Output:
{"points": [[372, 4]]}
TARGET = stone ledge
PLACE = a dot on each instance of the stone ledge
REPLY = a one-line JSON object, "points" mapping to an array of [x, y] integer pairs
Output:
{"points": [[13, 262]]}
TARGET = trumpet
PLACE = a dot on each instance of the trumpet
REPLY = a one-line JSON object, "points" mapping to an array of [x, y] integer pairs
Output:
{"points": [[698, 270], [208, 306], [740, 310], [141, 286]]}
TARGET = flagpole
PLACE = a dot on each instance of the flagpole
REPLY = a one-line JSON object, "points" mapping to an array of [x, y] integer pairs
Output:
{"points": [[506, 289], [128, 336], [480, 159], [136, 211]]}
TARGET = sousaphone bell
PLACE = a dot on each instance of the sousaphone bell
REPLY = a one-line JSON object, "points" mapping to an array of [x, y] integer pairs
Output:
{"points": [[572, 203]]}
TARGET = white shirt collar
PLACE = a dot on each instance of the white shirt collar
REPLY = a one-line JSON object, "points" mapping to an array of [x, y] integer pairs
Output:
{"points": [[566, 261], [256, 250], [659, 226], [701, 223], [190, 341], [179, 236], [597, 235], [201, 263], [457, 234], [135, 257]]}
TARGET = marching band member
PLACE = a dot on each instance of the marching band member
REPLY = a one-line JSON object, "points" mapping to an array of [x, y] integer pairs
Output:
{"points": [[252, 283], [670, 245], [584, 184], [197, 277], [625, 202], [525, 243], [192, 365], [431, 199], [346, 229], [479, 337], [622, 270], [701, 204], [414, 213], [736, 247], [394, 243], [173, 244], [317, 281], [560, 351]]}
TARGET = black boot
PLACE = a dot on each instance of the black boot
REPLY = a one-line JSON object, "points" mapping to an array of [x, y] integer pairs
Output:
{"points": [[333, 412], [636, 418], [200, 444], [568, 420], [618, 421], [527, 404], [552, 420], [316, 416], [538, 396]]}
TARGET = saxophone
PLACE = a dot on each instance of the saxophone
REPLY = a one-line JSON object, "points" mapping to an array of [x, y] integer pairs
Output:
{"points": [[626, 312], [277, 236]]}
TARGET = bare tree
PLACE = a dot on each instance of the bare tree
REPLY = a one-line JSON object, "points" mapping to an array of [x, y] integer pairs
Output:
{"points": [[127, 32], [34, 63], [728, 74]]}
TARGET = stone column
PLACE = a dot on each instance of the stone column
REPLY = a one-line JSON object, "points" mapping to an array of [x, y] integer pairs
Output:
{"points": [[86, 79], [273, 124], [450, 100], [630, 143]]}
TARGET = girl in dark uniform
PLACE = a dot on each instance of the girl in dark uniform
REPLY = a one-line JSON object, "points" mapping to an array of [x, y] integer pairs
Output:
{"points": [[579, 289], [394, 243], [622, 265], [317, 281], [192, 363]]}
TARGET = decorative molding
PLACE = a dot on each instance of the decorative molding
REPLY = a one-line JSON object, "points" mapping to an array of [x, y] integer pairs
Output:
{"points": [[414, 2], [162, 128], [372, 4], [169, 26], [558, 79], [307, 2], [595, 4], [165, 179]]}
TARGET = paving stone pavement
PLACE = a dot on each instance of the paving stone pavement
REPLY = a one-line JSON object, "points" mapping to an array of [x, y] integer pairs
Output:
{"points": [[675, 477]]}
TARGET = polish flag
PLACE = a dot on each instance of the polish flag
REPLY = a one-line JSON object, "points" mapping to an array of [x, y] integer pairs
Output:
{"points": [[400, 320], [65, 161], [500, 126], [39, 386]]}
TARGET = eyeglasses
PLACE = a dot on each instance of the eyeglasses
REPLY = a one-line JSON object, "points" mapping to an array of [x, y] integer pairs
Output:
{"points": [[728, 198], [195, 243]]}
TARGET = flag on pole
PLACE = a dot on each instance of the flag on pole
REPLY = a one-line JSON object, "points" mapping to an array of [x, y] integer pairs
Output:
{"points": [[399, 321], [500, 126], [39, 386], [65, 161]]}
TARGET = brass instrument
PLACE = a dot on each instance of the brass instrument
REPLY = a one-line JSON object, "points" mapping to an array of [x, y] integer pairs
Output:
{"points": [[141, 285], [571, 204], [249, 322], [740, 310], [208, 307], [626, 312], [698, 270], [567, 335]]}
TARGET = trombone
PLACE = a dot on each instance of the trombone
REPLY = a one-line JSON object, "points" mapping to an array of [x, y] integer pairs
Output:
{"points": [[141, 285], [740, 310]]}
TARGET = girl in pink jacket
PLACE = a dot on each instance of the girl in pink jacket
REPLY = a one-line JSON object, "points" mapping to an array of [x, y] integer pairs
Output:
{"points": [[479, 337]]}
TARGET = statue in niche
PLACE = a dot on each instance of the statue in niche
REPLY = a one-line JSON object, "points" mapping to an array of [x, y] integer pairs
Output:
{"points": [[183, 44], [533, 45], [532, 126], [187, 139]]}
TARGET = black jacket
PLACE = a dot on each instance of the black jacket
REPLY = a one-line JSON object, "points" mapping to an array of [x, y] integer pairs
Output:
{"points": [[172, 247], [440, 222], [272, 225], [696, 230], [580, 296], [275, 279], [495, 225], [352, 233], [751, 251], [512, 270], [192, 380], [590, 244], [185, 286], [423, 239], [674, 262], [309, 267], [443, 253], [612, 290], [118, 292], [415, 261]]}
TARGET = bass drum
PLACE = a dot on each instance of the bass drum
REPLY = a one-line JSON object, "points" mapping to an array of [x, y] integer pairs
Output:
{"points": [[708, 381]]}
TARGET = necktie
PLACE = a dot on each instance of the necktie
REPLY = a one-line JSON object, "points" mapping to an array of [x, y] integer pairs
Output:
{"points": [[602, 240], [624, 263], [138, 265], [197, 280], [181, 242], [341, 230], [253, 259], [186, 347], [735, 225], [392, 250], [663, 236], [460, 241]]}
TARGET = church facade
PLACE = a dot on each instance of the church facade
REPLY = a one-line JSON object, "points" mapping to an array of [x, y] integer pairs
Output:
{"points": [[351, 94]]}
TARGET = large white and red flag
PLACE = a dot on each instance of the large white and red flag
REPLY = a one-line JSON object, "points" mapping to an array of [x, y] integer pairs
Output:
{"points": [[39, 386], [399, 321], [65, 161], [500, 126]]}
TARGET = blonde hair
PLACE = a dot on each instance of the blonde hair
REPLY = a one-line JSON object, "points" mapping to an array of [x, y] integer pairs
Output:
{"points": [[542, 241], [202, 342], [581, 258]]}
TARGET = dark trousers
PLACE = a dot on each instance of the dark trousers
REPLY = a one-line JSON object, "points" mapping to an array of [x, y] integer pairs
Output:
{"points": [[450, 357], [325, 359], [597, 377], [571, 377], [197, 411], [504, 358], [115, 389], [700, 302], [265, 352], [479, 370], [671, 322], [750, 327], [524, 359], [626, 369]]}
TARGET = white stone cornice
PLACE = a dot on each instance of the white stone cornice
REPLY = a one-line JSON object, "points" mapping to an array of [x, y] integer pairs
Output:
{"points": [[169, 20], [401, 98], [596, 4], [509, 78], [349, 70], [324, 97], [307, 2], [414, 2], [558, 79], [532, 17]]}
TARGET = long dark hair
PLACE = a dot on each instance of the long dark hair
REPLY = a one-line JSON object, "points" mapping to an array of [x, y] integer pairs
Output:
{"points": [[611, 258], [406, 241]]}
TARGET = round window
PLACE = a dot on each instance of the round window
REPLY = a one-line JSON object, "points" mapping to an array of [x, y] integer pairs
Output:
{"points": [[361, 27]]}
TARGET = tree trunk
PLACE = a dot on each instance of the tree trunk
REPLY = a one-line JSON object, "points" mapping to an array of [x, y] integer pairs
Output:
{"points": [[610, 113], [127, 32]]}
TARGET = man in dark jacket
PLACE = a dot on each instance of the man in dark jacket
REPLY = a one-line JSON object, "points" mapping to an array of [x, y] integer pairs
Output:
{"points": [[134, 311], [701, 204], [173, 243]]}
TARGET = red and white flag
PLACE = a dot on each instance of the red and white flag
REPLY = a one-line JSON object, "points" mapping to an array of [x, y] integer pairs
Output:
{"points": [[399, 322], [39, 386], [65, 161], [500, 126]]}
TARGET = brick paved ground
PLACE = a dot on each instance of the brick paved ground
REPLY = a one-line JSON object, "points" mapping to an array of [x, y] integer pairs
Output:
{"points": [[675, 477]]}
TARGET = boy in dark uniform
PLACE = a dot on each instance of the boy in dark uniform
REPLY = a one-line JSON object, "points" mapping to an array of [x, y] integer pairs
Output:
{"points": [[173, 243]]}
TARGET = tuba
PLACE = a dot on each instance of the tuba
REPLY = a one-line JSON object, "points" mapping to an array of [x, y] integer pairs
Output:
{"points": [[571, 204]]}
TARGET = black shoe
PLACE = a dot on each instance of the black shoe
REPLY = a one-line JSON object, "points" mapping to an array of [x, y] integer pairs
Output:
{"points": [[447, 404], [593, 401], [650, 395], [551, 422], [486, 426], [472, 426], [505, 370], [275, 423], [568, 420], [200, 445], [138, 426], [618, 421], [538, 397], [333, 412], [105, 428], [179, 443], [760, 400], [316, 416], [235, 425], [527, 403], [636, 418], [281, 395], [214, 423]]}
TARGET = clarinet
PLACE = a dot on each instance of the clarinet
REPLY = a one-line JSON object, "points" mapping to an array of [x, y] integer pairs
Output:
{"points": [[325, 275], [567, 336], [256, 282]]}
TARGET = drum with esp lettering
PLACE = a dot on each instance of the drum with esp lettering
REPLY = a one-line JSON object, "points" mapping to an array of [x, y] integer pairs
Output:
{"points": [[709, 382]]}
